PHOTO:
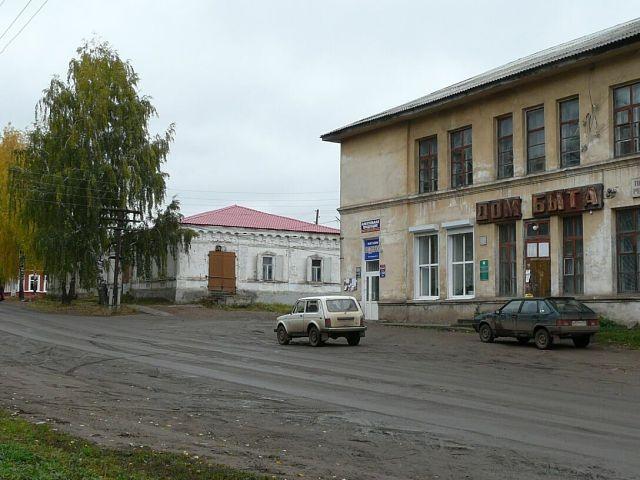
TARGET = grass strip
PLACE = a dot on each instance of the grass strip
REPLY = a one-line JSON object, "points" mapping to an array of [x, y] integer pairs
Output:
{"points": [[36, 452], [617, 334]]}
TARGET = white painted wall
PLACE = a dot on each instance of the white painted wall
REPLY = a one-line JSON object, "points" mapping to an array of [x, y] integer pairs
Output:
{"points": [[187, 279]]}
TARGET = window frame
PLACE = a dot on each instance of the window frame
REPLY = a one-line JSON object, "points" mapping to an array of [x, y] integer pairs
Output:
{"points": [[634, 139], [511, 246], [634, 234], [270, 268], [499, 140], [451, 263], [316, 270], [431, 160], [573, 240], [544, 140], [562, 123], [429, 266], [467, 175]]}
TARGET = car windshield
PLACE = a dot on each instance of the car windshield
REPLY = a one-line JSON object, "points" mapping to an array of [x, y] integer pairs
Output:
{"points": [[569, 305], [342, 305]]}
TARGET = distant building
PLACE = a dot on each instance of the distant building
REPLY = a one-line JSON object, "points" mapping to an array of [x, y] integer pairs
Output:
{"points": [[240, 251], [35, 283], [522, 180]]}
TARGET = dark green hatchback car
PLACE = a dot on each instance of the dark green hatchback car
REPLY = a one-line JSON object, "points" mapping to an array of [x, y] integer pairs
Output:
{"points": [[542, 319]]}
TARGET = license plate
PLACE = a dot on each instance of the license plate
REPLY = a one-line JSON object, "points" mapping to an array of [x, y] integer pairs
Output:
{"points": [[345, 318], [579, 323]]}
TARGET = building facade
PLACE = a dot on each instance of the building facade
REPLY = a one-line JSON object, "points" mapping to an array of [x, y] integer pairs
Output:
{"points": [[256, 256], [522, 180]]}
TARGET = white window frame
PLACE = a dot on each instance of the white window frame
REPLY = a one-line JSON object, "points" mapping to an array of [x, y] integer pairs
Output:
{"points": [[34, 275], [450, 234], [270, 268], [316, 269], [419, 266]]}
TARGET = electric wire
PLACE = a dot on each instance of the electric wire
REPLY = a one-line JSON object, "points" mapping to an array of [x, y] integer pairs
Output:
{"points": [[14, 20], [23, 27]]}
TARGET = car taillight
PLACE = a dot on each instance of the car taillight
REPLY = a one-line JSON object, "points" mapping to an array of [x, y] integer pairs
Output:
{"points": [[327, 322], [592, 323], [361, 320], [563, 322]]}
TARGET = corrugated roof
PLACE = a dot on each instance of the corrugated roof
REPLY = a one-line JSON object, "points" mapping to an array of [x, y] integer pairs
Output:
{"points": [[242, 217], [603, 39]]}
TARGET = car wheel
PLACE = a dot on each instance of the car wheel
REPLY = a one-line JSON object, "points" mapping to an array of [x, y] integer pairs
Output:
{"points": [[581, 341], [523, 340], [486, 333], [543, 339], [353, 339], [315, 339], [283, 336]]}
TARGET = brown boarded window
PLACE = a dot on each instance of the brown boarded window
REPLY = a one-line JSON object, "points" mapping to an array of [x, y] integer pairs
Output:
{"points": [[569, 133], [572, 263], [628, 236], [626, 114], [507, 268], [461, 158], [505, 146], [222, 272], [428, 164], [535, 140]]}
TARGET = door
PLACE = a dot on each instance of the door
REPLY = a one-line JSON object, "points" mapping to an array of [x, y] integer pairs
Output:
{"points": [[528, 317], [312, 314], [222, 272], [537, 274], [508, 315], [371, 291], [295, 322]]}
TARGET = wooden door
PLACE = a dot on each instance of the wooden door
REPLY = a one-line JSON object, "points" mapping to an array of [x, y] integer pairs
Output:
{"points": [[222, 272], [537, 258], [540, 280]]}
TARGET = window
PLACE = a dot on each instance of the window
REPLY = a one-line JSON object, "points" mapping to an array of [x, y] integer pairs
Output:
{"points": [[529, 306], [535, 140], [299, 308], [427, 271], [569, 133], [312, 306], [428, 164], [461, 158], [511, 307], [461, 267], [34, 280], [507, 254], [628, 236], [626, 113], [543, 308], [505, 147], [537, 239], [267, 269], [572, 265], [342, 305], [316, 270]]}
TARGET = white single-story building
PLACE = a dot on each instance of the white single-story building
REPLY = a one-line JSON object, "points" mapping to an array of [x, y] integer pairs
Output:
{"points": [[244, 252]]}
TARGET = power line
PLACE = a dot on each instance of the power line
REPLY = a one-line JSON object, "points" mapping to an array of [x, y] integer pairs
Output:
{"points": [[24, 26], [15, 19]]}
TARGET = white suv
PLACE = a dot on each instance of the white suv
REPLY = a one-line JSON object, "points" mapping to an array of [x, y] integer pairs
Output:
{"points": [[321, 318]]}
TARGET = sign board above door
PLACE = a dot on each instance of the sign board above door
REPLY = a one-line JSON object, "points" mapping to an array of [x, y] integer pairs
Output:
{"points": [[500, 210], [569, 200]]}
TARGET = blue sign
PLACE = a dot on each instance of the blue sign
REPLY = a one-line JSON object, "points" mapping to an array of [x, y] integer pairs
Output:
{"points": [[372, 249]]}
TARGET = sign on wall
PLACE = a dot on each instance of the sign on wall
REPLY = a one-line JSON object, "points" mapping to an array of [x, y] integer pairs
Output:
{"points": [[484, 269], [635, 187], [569, 200], [499, 210], [369, 226], [383, 270], [372, 249]]}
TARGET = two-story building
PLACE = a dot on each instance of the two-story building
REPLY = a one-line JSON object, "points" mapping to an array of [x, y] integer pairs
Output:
{"points": [[522, 180]]}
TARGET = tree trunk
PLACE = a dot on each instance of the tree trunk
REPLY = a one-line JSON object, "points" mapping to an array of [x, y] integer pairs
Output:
{"points": [[72, 289], [66, 300]]}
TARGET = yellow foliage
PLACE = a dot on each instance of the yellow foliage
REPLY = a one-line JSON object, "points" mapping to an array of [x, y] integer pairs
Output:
{"points": [[11, 231]]}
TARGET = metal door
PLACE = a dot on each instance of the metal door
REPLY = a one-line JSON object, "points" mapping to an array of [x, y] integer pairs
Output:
{"points": [[371, 290]]}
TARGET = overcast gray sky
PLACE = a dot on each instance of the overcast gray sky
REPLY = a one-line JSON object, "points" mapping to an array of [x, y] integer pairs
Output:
{"points": [[251, 85]]}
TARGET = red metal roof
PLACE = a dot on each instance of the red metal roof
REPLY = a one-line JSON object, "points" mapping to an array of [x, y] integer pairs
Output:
{"points": [[242, 217]]}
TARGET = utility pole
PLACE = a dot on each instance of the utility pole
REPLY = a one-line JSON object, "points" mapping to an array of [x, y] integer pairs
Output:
{"points": [[119, 216], [21, 276], [317, 215]]}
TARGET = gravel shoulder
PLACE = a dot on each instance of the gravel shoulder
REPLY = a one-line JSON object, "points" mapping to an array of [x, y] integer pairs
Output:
{"points": [[405, 404]]}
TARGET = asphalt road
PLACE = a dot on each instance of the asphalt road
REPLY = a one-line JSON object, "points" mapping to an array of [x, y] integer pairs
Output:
{"points": [[406, 403]]}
